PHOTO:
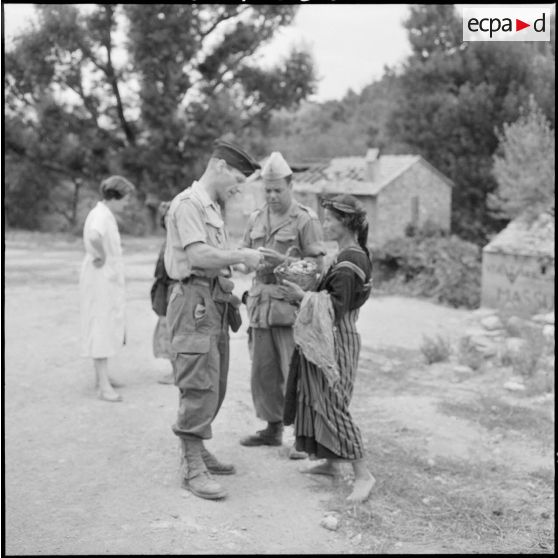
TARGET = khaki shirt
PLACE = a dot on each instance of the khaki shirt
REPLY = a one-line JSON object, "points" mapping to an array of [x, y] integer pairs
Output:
{"points": [[300, 228], [192, 217]]}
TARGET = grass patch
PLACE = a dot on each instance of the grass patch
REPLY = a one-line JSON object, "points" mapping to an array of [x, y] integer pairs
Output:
{"points": [[492, 413], [435, 349], [450, 506], [526, 362], [469, 355], [544, 476]]}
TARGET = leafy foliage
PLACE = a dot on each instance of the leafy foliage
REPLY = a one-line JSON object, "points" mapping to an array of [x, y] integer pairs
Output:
{"points": [[524, 166], [80, 105], [457, 96], [435, 349], [445, 268], [469, 355]]}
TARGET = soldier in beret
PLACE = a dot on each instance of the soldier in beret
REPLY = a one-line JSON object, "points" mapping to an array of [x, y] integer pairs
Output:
{"points": [[281, 225], [197, 260]]}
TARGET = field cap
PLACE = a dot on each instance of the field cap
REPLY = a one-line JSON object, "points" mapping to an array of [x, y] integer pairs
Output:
{"points": [[234, 156], [276, 167]]}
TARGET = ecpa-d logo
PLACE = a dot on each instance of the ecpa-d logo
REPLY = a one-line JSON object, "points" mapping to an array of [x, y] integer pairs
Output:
{"points": [[508, 23]]}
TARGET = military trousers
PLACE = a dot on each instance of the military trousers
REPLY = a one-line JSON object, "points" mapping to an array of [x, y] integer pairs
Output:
{"points": [[271, 350], [199, 337]]}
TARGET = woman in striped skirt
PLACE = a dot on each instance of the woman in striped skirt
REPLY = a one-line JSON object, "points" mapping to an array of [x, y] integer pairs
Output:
{"points": [[324, 427]]}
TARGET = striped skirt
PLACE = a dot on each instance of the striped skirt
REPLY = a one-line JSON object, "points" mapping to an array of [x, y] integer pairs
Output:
{"points": [[323, 424]]}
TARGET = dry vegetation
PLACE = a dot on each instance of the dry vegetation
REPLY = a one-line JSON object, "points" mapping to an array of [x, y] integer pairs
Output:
{"points": [[451, 505]]}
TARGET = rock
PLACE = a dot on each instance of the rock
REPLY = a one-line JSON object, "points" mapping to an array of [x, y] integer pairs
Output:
{"points": [[548, 332], [544, 318], [514, 386], [515, 325], [514, 345], [330, 522], [481, 313], [357, 539], [462, 371], [474, 332], [548, 362], [160, 525], [487, 347], [491, 323]]}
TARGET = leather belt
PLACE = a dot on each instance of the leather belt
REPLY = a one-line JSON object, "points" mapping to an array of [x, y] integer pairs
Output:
{"points": [[196, 280]]}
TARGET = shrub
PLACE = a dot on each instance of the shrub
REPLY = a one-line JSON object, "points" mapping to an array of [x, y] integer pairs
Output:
{"points": [[437, 349], [446, 269], [525, 362], [469, 355]]}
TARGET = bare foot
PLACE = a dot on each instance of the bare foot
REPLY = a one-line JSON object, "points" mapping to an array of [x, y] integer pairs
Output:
{"points": [[329, 469], [110, 396], [361, 490]]}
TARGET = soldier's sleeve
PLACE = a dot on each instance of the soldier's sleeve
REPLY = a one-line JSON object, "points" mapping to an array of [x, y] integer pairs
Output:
{"points": [[246, 241], [312, 236], [189, 224]]}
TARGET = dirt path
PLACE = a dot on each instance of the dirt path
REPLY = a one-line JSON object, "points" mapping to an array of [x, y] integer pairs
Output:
{"points": [[88, 477]]}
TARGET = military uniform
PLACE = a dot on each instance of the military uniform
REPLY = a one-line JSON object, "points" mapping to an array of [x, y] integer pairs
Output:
{"points": [[271, 316], [197, 313]]}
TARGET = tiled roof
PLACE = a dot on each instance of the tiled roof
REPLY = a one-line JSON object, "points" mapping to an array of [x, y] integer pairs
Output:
{"points": [[522, 238], [349, 174]]}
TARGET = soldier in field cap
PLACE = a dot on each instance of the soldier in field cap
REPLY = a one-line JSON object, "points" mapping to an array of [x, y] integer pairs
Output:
{"points": [[282, 224], [197, 260]]}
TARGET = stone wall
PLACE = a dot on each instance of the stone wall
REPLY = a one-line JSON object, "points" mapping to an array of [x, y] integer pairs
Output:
{"points": [[395, 205], [519, 283]]}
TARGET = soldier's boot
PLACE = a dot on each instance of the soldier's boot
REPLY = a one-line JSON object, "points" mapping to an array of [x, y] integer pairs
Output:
{"points": [[197, 478], [214, 465], [270, 436]]}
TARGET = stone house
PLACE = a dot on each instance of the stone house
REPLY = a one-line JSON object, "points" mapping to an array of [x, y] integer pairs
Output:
{"points": [[397, 190], [518, 267]]}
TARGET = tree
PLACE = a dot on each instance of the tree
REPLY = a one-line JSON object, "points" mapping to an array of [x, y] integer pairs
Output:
{"points": [[335, 128], [456, 96], [150, 105], [524, 166]]}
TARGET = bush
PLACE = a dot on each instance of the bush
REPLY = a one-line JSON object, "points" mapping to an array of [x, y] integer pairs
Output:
{"points": [[469, 355], [428, 229], [437, 349], [526, 361], [446, 269]]}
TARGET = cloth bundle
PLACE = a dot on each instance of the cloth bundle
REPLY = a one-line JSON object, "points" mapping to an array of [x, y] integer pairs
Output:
{"points": [[313, 333]]}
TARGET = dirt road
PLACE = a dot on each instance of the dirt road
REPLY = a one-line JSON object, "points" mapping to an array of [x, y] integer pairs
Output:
{"points": [[89, 477]]}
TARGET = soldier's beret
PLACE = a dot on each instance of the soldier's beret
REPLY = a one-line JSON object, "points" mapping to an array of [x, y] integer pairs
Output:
{"points": [[234, 156]]}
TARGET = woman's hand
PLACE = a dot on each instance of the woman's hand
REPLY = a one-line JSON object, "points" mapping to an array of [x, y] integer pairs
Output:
{"points": [[291, 291]]}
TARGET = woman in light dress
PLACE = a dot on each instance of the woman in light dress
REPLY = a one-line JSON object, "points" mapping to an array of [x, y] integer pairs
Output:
{"points": [[101, 284]]}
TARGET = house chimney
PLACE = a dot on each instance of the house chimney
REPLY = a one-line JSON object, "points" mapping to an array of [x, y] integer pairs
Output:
{"points": [[372, 164]]}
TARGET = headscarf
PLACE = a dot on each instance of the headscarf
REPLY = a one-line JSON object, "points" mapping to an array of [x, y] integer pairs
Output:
{"points": [[352, 214]]}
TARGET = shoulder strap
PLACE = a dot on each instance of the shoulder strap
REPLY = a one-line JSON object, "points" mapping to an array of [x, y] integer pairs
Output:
{"points": [[353, 267], [308, 210]]}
